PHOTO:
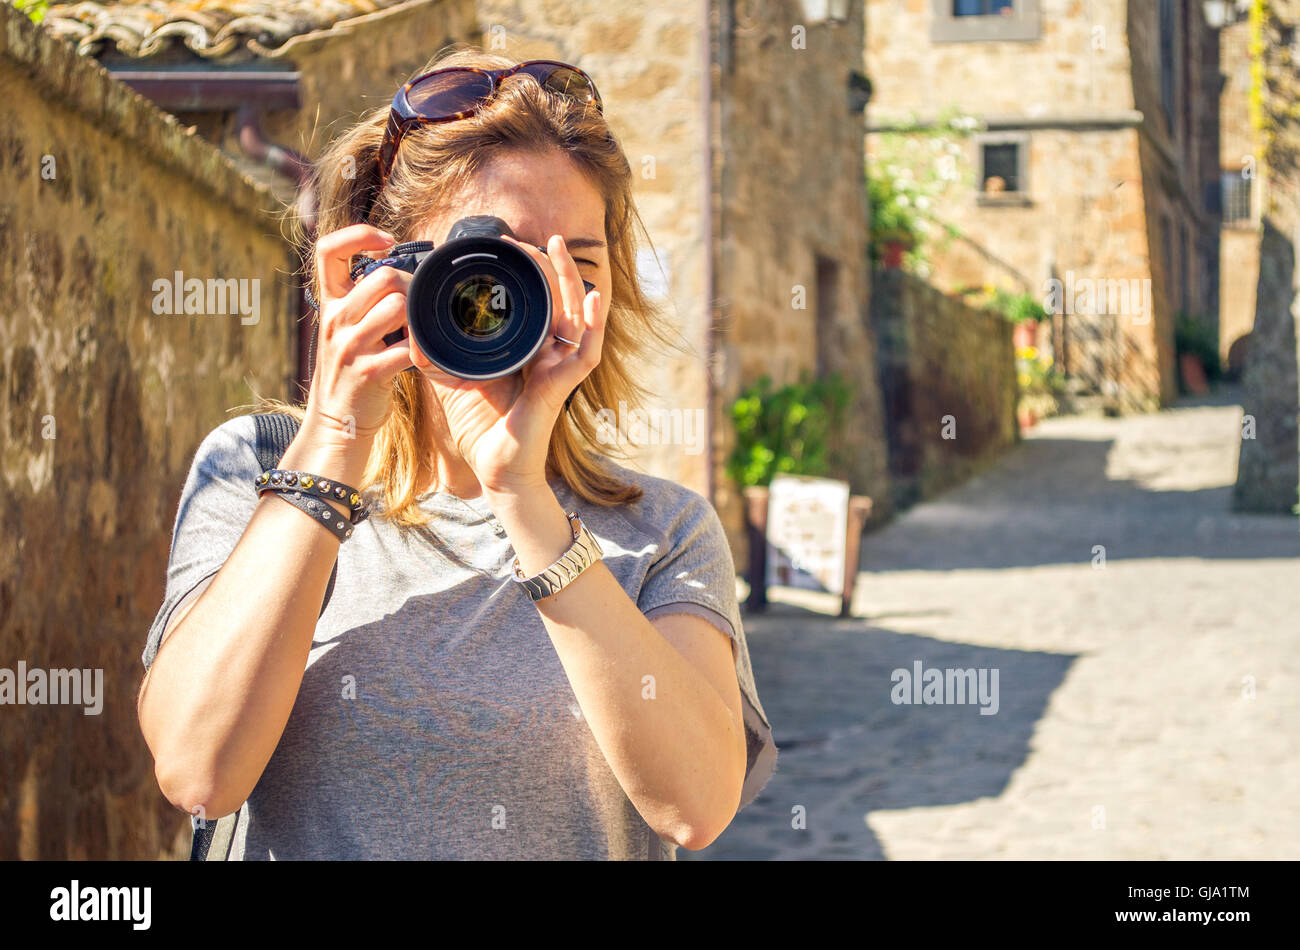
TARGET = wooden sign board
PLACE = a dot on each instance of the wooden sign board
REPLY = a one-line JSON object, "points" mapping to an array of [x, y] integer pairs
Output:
{"points": [[807, 525]]}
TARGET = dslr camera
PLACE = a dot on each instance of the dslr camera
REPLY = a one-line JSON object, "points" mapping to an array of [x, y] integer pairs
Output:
{"points": [[478, 306]]}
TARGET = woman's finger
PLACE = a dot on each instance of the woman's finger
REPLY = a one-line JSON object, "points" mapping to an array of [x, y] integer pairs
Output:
{"points": [[593, 338], [388, 362], [387, 315], [559, 322], [569, 322], [334, 253], [369, 290]]}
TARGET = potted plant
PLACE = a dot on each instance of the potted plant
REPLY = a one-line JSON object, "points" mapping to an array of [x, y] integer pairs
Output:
{"points": [[894, 222], [1024, 312], [791, 430], [1041, 387], [1198, 354]]}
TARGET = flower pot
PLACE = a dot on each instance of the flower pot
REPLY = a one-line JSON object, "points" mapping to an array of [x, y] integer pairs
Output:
{"points": [[1025, 335], [892, 255], [1027, 418], [1194, 380]]}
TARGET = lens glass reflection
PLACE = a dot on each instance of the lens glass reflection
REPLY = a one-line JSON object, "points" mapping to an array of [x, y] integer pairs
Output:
{"points": [[480, 306]]}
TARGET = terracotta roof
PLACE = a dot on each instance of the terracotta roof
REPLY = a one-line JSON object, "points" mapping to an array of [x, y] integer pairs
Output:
{"points": [[210, 28]]}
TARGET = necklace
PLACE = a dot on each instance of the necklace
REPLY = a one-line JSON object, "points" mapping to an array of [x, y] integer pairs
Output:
{"points": [[487, 517]]}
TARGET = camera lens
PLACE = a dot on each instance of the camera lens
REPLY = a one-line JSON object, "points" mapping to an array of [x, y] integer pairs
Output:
{"points": [[480, 306]]}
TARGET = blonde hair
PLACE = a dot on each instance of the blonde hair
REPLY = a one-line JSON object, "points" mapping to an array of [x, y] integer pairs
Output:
{"points": [[434, 161]]}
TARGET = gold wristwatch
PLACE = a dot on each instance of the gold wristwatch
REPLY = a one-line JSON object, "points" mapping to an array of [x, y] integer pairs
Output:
{"points": [[583, 553]]}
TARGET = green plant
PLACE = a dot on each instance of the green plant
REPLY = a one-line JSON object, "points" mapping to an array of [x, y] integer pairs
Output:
{"points": [[1015, 308], [1193, 335], [1019, 308], [910, 171], [790, 430], [1037, 375], [35, 9]]}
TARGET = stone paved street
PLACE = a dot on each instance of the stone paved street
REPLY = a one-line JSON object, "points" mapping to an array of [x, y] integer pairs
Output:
{"points": [[1147, 704]]}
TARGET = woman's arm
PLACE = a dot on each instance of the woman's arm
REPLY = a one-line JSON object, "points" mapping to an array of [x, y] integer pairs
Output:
{"points": [[680, 757], [216, 700]]}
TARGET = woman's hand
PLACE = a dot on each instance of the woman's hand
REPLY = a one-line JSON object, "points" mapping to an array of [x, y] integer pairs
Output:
{"points": [[502, 427], [352, 385]]}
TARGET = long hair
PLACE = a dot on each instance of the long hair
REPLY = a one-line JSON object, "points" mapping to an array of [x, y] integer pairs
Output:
{"points": [[434, 161]]}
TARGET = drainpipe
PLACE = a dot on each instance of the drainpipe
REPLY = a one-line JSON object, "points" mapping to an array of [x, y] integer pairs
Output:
{"points": [[283, 161], [298, 168], [710, 284]]}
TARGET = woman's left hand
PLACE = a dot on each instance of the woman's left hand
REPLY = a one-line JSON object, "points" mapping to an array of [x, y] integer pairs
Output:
{"points": [[502, 427]]}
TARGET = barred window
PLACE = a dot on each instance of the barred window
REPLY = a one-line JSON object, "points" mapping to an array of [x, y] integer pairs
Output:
{"points": [[1236, 197]]}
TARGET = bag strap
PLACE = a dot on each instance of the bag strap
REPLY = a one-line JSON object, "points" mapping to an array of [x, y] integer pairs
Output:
{"points": [[275, 430]]}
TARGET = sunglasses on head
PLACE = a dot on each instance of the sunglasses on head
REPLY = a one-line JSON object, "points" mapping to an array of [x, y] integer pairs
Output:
{"points": [[457, 92]]}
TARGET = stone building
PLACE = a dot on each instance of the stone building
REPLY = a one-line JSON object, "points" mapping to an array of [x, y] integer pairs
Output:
{"points": [[753, 199], [1094, 169], [1239, 152], [1268, 477], [109, 210]]}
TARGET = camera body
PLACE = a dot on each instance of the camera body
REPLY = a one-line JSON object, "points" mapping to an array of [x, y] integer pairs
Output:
{"points": [[478, 307]]}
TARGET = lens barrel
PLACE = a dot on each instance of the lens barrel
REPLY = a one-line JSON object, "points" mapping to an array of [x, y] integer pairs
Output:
{"points": [[479, 307]]}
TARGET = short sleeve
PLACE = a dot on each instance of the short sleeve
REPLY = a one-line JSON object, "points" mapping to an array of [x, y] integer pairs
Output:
{"points": [[216, 504], [696, 574]]}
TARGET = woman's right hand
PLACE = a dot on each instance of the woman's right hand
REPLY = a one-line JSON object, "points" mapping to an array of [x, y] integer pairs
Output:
{"points": [[352, 384]]}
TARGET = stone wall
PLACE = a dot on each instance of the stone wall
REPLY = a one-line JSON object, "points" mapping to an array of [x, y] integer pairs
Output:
{"points": [[648, 65], [1269, 469], [791, 193], [764, 183], [1101, 172], [1180, 174], [949, 381], [104, 403], [359, 64], [1239, 243]]}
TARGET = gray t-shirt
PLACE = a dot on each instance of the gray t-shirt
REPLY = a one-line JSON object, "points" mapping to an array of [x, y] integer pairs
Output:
{"points": [[435, 720]]}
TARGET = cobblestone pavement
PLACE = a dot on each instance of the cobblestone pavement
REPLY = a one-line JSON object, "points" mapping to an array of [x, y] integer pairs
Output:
{"points": [[1146, 642]]}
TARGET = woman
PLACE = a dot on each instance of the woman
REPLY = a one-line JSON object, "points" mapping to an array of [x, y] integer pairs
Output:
{"points": [[434, 709]]}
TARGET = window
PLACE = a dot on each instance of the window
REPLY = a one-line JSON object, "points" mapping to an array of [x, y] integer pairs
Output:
{"points": [[1236, 199], [956, 21], [1003, 168], [982, 7], [828, 305]]}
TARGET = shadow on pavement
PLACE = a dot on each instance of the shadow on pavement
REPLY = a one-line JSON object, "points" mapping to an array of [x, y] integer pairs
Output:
{"points": [[846, 749]]}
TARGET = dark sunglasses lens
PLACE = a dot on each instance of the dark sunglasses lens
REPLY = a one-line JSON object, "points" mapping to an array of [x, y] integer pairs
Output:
{"points": [[446, 94], [564, 81]]}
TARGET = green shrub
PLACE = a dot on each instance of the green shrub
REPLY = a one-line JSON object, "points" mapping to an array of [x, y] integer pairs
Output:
{"points": [[792, 430], [1193, 335]]}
